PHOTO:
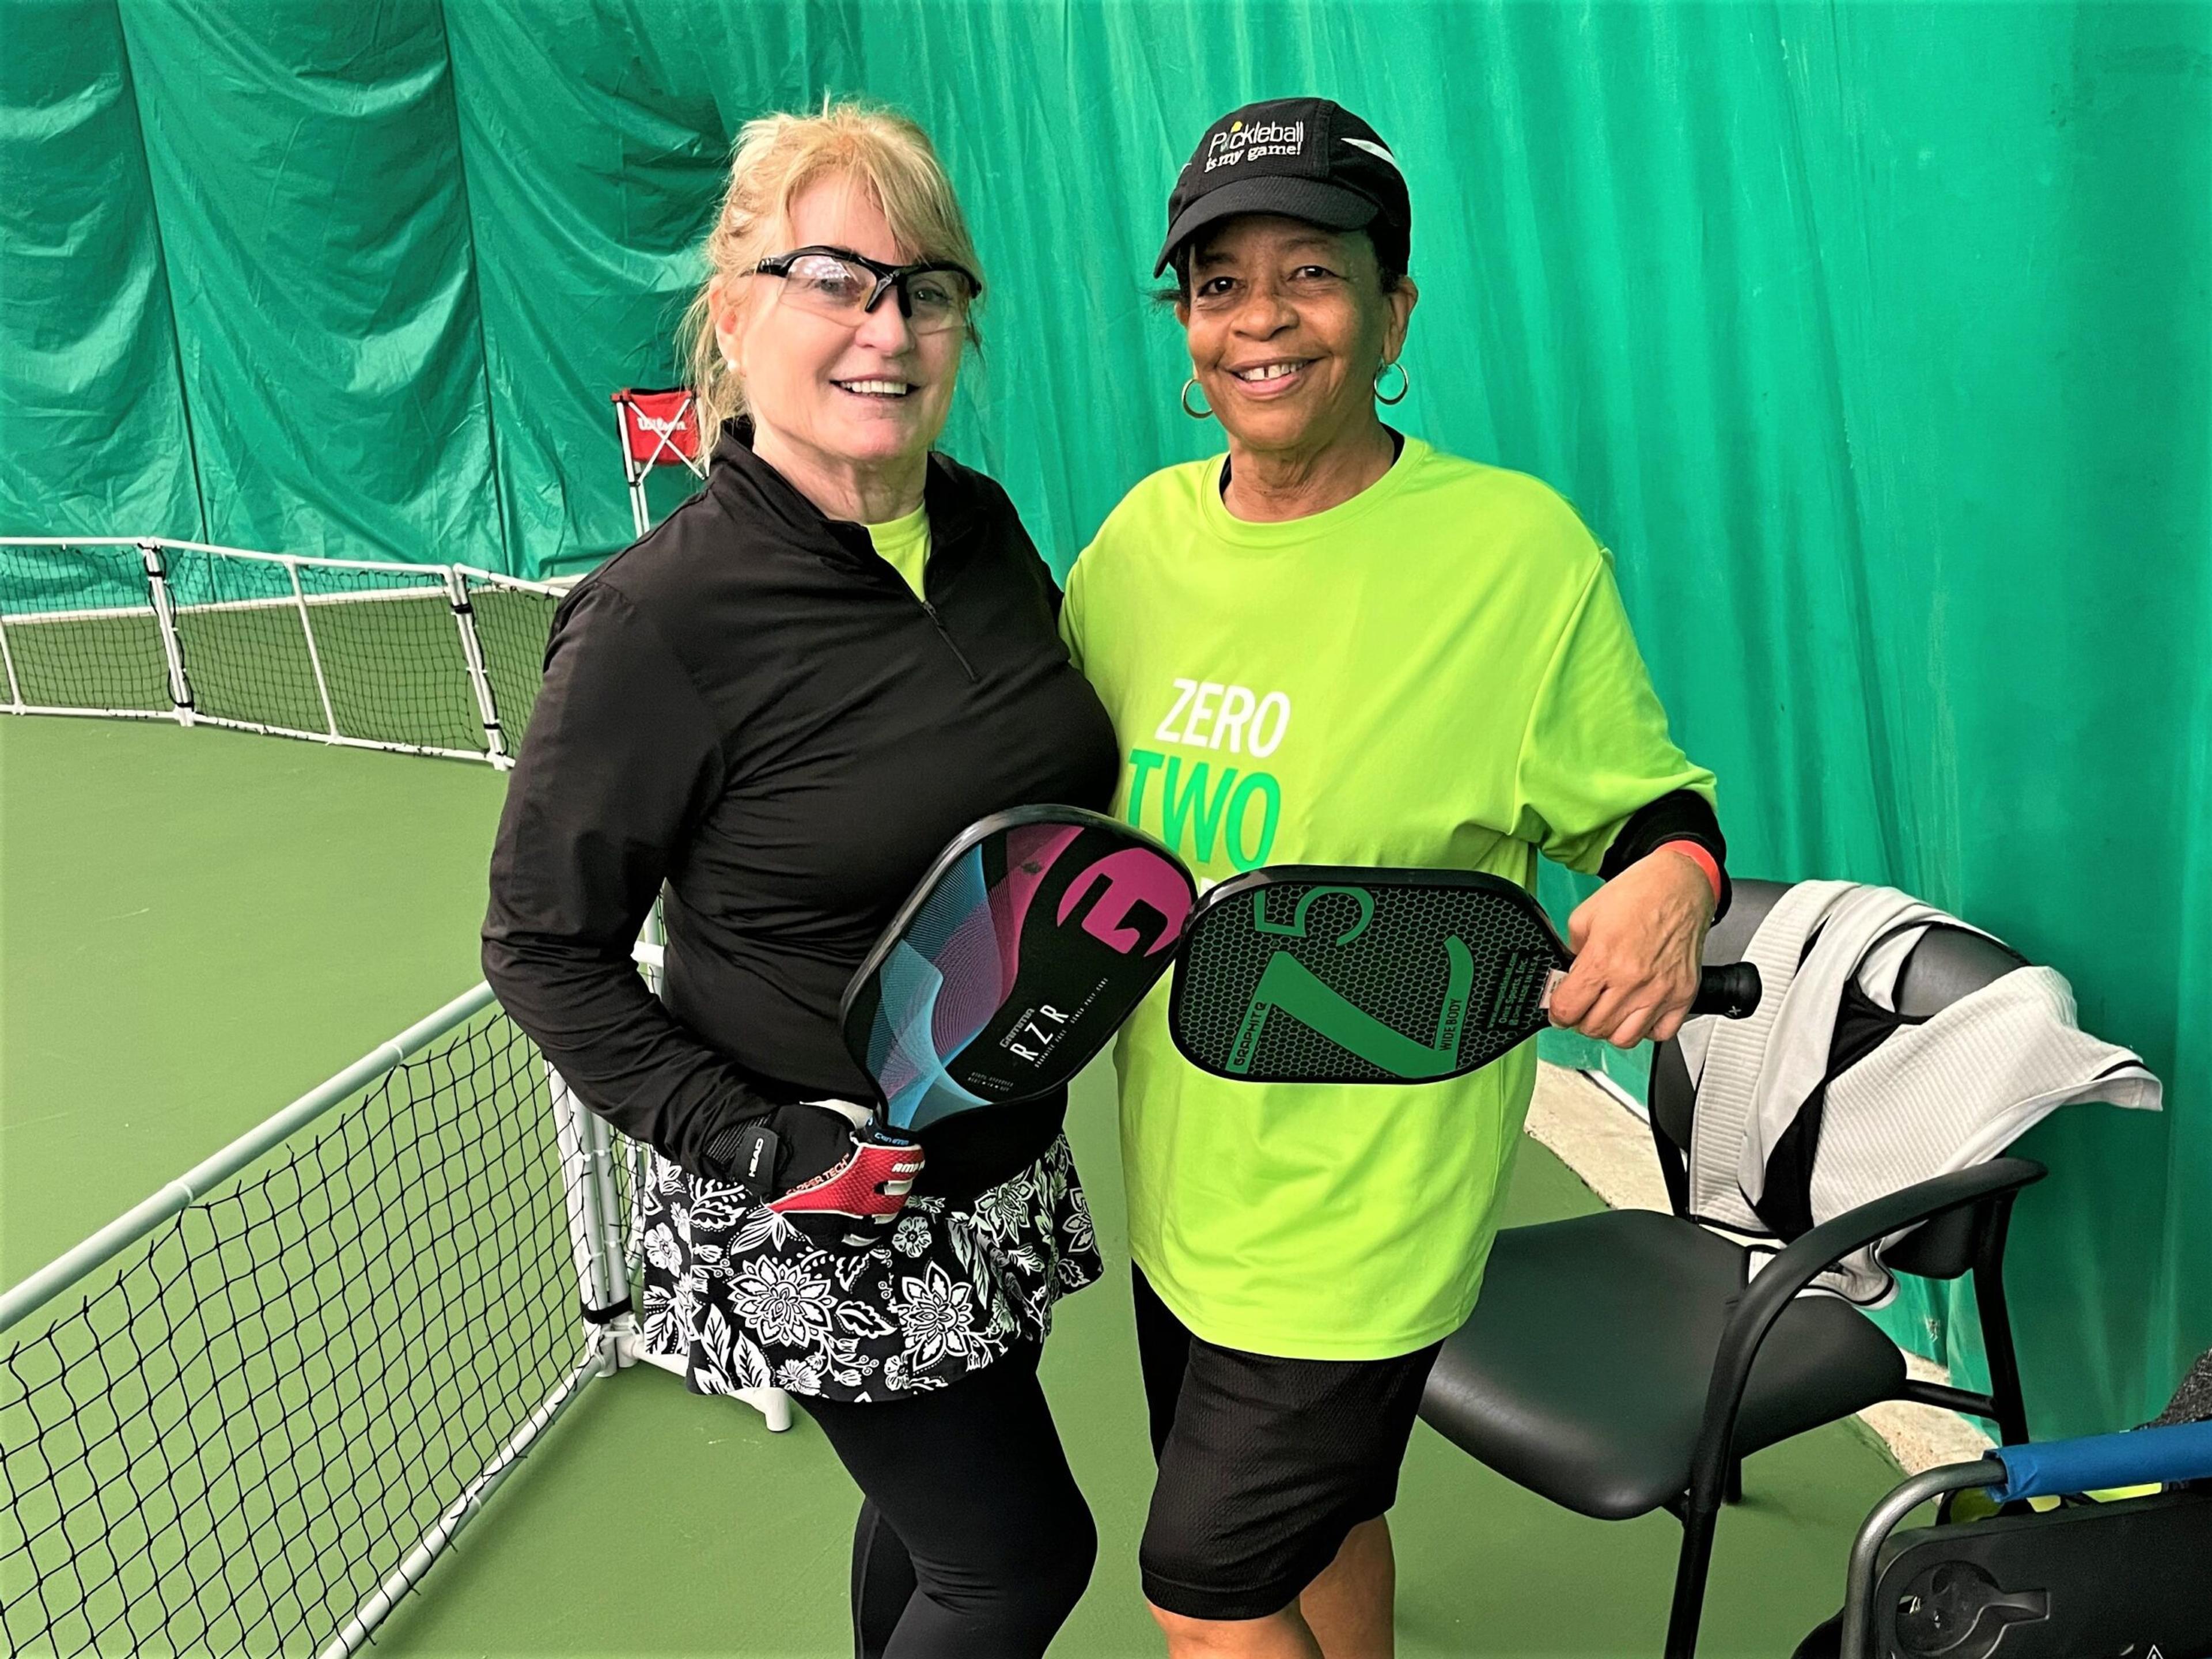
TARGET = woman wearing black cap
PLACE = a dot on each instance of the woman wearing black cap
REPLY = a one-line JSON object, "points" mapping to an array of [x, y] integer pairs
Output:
{"points": [[1336, 644]]}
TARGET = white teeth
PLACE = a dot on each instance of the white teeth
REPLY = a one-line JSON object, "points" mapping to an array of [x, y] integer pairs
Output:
{"points": [[1267, 372], [878, 388]]}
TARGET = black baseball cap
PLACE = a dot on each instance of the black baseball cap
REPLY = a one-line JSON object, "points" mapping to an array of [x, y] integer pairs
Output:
{"points": [[1305, 158]]}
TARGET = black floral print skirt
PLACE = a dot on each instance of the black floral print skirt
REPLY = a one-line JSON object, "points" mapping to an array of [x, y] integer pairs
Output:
{"points": [[747, 1300]]}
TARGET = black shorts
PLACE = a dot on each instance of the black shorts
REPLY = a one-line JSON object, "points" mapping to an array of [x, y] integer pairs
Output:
{"points": [[1265, 1463]]}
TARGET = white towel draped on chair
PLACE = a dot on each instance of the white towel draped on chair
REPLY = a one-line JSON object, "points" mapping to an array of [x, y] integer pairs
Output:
{"points": [[1937, 1095]]}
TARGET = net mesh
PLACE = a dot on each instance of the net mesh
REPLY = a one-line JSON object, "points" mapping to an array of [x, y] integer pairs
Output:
{"points": [[362, 653], [390, 652], [78, 632], [249, 1420], [366, 652]]}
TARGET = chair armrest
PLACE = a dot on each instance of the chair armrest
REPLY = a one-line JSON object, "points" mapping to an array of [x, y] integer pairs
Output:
{"points": [[1811, 1255], [1806, 1258]]}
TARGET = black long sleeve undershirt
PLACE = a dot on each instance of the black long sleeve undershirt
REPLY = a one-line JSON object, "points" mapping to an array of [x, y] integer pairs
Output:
{"points": [[1681, 815]]}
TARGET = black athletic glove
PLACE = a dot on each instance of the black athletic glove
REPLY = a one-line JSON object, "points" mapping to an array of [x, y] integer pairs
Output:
{"points": [[825, 1163], [801, 1141]]}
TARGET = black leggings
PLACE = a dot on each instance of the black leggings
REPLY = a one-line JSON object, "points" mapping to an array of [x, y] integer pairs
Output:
{"points": [[972, 1541]]}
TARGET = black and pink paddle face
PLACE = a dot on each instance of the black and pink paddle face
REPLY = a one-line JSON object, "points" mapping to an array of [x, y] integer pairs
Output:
{"points": [[1016, 958]]}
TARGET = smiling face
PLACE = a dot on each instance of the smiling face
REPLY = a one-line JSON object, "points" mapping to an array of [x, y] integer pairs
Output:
{"points": [[1288, 324], [846, 398]]}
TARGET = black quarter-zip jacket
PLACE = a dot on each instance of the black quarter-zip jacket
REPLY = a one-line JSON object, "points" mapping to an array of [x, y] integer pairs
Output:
{"points": [[751, 706]]}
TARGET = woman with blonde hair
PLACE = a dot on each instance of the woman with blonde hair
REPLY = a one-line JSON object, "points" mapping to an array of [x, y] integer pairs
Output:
{"points": [[776, 708]]}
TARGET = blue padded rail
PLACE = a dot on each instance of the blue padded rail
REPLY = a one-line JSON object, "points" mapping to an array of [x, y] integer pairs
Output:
{"points": [[2138, 1457]]}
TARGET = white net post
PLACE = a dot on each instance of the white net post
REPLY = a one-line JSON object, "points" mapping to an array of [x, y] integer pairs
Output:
{"points": [[15, 705], [314, 654], [595, 1231], [654, 934], [165, 615], [628, 1249], [465, 617], [587, 1157], [631, 471]]}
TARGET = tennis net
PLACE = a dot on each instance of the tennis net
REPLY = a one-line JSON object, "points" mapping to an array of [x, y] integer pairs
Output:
{"points": [[293, 1375], [439, 659], [78, 633]]}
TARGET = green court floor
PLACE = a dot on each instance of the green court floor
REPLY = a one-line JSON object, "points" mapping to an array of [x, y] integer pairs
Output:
{"points": [[195, 926]]}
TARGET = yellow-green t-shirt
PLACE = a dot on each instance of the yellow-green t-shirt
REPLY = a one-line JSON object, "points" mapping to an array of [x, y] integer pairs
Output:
{"points": [[903, 543], [1436, 673]]}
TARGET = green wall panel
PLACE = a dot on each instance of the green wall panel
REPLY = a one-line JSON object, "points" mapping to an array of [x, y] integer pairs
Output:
{"points": [[93, 426], [1874, 338]]}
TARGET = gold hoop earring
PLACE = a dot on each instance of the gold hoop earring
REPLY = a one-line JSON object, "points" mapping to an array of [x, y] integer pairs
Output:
{"points": [[1201, 413], [1405, 383]]}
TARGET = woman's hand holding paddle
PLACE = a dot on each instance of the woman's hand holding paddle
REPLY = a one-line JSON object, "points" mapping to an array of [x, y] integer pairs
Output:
{"points": [[1639, 941]]}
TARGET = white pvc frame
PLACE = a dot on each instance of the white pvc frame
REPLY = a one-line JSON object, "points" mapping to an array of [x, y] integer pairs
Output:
{"points": [[594, 1359], [424, 581], [605, 1244], [626, 1241], [608, 1340], [452, 582]]}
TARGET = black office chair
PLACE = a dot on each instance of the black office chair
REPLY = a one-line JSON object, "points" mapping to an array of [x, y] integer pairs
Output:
{"points": [[1620, 1362]]}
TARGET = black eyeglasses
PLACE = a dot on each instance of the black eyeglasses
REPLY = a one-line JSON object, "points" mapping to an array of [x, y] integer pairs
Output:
{"points": [[934, 296]]}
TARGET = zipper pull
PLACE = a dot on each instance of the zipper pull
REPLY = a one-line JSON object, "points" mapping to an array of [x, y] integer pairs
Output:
{"points": [[943, 633]]}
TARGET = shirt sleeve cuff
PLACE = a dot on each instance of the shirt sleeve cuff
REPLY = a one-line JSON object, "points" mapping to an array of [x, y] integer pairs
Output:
{"points": [[1683, 816]]}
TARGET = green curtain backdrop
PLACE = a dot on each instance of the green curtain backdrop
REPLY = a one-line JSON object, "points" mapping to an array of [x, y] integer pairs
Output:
{"points": [[1875, 339]]}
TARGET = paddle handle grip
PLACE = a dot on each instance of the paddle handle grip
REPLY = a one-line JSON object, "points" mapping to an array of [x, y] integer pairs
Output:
{"points": [[1732, 991]]}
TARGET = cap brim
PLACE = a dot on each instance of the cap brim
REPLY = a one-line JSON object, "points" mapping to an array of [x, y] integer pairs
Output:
{"points": [[1331, 206]]}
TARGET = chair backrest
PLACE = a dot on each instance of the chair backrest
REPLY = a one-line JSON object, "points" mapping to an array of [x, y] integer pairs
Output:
{"points": [[1946, 965]]}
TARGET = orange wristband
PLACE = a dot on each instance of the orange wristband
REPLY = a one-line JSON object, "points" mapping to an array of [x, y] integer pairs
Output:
{"points": [[1696, 855]]}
